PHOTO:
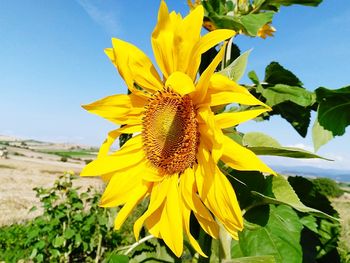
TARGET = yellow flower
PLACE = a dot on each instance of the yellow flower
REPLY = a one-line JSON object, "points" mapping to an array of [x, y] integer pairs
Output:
{"points": [[173, 158], [193, 4], [266, 30]]}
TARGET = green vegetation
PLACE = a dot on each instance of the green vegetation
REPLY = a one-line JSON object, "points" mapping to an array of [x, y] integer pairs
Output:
{"points": [[70, 154], [5, 166], [72, 228], [18, 154], [327, 187]]}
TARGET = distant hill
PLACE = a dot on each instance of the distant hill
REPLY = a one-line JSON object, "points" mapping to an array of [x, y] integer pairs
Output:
{"points": [[310, 171]]}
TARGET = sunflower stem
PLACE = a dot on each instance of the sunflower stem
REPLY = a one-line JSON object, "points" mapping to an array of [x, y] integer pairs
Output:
{"points": [[225, 243]]}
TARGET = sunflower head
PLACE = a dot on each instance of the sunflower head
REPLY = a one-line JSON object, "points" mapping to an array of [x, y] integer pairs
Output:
{"points": [[170, 132], [172, 159]]}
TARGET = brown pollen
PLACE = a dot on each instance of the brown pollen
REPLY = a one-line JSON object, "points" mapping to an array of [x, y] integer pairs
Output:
{"points": [[170, 132]]}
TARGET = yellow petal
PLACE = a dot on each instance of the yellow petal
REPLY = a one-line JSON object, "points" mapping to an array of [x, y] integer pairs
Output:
{"points": [[187, 35], [158, 195], [120, 109], [186, 222], [217, 193], [203, 83], [129, 155], [174, 39], [222, 91], [134, 66], [193, 202], [222, 98], [229, 119], [240, 158], [105, 147], [220, 82], [180, 83], [152, 223], [151, 173], [187, 184], [163, 39], [204, 44], [171, 219], [121, 186], [210, 132], [137, 195], [211, 227]]}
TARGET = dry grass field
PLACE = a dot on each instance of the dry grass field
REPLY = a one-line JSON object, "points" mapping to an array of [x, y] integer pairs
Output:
{"points": [[342, 205], [32, 164]]}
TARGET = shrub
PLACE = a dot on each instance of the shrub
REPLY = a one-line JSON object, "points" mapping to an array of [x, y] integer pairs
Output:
{"points": [[327, 187], [64, 159], [73, 228]]}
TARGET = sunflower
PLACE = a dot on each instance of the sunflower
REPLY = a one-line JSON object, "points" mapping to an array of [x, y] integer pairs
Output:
{"points": [[266, 30], [179, 140]]}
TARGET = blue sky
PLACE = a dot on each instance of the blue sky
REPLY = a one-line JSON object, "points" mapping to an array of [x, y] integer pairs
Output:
{"points": [[52, 61]]}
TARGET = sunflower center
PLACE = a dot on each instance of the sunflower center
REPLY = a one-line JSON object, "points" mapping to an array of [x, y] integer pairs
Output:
{"points": [[170, 132]]}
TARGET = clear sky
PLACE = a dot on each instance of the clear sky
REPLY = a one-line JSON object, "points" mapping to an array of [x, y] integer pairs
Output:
{"points": [[52, 61]]}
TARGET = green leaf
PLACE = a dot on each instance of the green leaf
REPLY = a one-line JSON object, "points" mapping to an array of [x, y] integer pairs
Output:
{"points": [[254, 259], [259, 139], [333, 115], [334, 109], [34, 252], [58, 241], [247, 182], [78, 239], [296, 115], [32, 209], [40, 244], [252, 75], [55, 252], [102, 221], [292, 102], [262, 144], [290, 152], [118, 259], [277, 233], [68, 233], [234, 134], [310, 222], [253, 22], [152, 251], [236, 69], [39, 258], [323, 244], [284, 194], [281, 93], [276, 74], [293, 2], [320, 136]]}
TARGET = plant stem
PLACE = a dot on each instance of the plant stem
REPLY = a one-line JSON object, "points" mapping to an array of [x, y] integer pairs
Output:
{"points": [[138, 243], [98, 248], [225, 243]]}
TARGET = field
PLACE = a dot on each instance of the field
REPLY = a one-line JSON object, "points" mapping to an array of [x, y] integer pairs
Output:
{"points": [[342, 205], [31, 164]]}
